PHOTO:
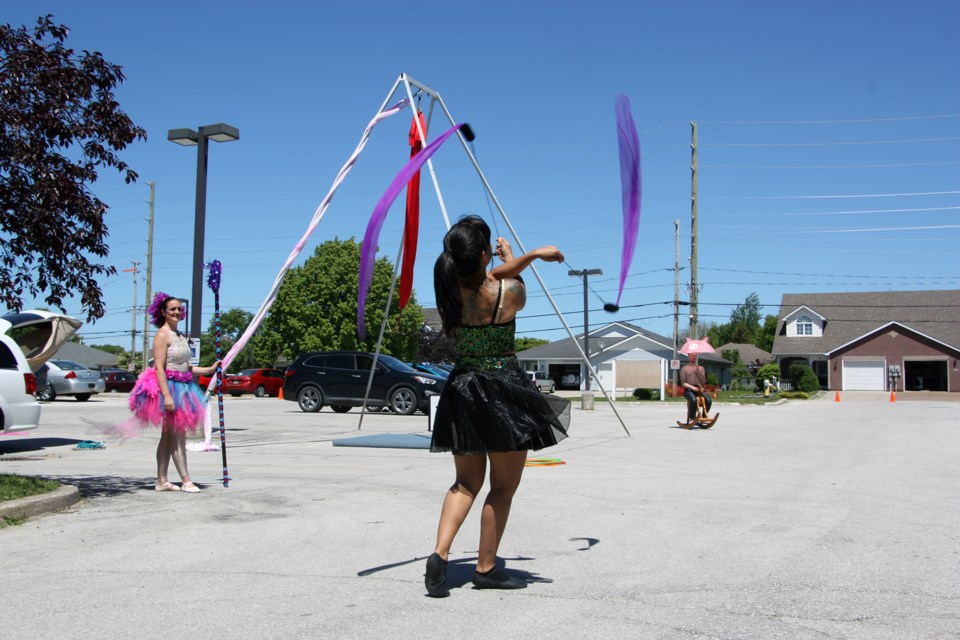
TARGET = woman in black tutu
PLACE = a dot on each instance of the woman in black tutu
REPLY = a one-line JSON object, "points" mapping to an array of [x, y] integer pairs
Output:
{"points": [[490, 409]]}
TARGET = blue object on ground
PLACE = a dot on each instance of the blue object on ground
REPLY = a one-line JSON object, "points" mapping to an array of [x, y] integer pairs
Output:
{"points": [[91, 444], [387, 441]]}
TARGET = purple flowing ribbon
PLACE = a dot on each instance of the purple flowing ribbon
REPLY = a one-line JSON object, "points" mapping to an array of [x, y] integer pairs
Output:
{"points": [[368, 252], [629, 183]]}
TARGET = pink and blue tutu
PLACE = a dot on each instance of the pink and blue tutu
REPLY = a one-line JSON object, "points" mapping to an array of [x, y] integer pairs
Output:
{"points": [[146, 405]]}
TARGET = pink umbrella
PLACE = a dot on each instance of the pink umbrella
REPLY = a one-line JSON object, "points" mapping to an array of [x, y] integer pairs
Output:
{"points": [[697, 346]]}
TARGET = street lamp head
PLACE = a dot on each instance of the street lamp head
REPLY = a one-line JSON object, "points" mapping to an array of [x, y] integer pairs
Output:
{"points": [[185, 137], [220, 132]]}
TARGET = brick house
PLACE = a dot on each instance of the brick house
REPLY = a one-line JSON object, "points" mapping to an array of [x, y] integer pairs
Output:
{"points": [[881, 341]]}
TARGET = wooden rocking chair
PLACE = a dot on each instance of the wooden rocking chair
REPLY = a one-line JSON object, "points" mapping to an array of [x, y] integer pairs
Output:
{"points": [[701, 419]]}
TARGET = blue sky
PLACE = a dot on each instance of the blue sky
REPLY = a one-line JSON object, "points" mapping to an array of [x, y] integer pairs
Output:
{"points": [[828, 133]]}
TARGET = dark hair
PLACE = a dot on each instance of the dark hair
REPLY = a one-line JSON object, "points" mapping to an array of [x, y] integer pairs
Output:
{"points": [[460, 263]]}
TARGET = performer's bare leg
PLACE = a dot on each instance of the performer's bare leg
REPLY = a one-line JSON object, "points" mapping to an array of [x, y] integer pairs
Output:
{"points": [[456, 505], [506, 469]]}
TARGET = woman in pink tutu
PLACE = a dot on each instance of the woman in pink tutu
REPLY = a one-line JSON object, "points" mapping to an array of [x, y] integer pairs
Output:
{"points": [[166, 396]]}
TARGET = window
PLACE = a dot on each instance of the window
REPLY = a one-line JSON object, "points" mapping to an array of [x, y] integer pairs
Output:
{"points": [[804, 326]]}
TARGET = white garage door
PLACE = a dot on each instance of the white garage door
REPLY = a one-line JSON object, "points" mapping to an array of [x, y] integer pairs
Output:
{"points": [[863, 375]]}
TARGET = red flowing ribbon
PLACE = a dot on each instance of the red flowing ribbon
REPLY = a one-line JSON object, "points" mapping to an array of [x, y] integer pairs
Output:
{"points": [[411, 228]]}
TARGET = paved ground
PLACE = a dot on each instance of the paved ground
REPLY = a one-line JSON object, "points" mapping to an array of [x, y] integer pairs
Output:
{"points": [[805, 520]]}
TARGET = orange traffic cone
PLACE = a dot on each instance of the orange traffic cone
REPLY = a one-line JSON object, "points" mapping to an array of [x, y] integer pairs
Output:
{"points": [[281, 393], [893, 396], [837, 398]]}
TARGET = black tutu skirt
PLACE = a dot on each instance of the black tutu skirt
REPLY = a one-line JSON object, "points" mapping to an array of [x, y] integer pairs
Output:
{"points": [[497, 410]]}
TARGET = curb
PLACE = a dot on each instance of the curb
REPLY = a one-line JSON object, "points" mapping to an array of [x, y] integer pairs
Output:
{"points": [[60, 498]]}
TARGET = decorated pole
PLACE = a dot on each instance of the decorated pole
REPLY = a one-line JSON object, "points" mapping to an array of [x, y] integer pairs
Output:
{"points": [[213, 281]]}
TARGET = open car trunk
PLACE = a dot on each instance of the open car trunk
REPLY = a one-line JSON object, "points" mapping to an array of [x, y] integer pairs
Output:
{"points": [[39, 333]]}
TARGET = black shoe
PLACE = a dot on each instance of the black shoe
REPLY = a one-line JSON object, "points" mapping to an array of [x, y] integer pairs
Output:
{"points": [[435, 579], [497, 579]]}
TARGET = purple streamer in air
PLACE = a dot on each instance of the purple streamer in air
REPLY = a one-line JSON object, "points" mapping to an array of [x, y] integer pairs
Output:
{"points": [[630, 184], [368, 252]]}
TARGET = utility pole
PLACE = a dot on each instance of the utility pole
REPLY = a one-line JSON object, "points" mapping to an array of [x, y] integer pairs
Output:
{"points": [[133, 317], [694, 286], [676, 295], [146, 306], [585, 273]]}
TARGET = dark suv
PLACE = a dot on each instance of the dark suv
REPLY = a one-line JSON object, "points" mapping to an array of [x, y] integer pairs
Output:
{"points": [[339, 379]]}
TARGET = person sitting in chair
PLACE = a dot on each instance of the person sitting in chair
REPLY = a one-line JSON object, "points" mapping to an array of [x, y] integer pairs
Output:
{"points": [[692, 379]]}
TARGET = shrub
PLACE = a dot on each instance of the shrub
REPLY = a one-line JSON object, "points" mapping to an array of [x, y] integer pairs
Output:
{"points": [[646, 394], [795, 395], [713, 380], [767, 372], [803, 378]]}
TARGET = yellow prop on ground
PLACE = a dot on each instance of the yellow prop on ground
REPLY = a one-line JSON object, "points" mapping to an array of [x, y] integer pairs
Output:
{"points": [[544, 462]]}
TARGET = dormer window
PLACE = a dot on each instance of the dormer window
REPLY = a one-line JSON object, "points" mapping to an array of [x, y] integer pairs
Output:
{"points": [[804, 326]]}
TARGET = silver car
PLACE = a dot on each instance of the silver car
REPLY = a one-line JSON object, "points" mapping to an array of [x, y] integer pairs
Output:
{"points": [[543, 381], [67, 378]]}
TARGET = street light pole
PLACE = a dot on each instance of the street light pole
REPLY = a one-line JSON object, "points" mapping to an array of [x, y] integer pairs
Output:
{"points": [[585, 273], [188, 137]]}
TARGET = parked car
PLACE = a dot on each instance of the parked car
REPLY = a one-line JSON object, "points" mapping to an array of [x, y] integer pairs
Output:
{"points": [[27, 340], [432, 369], [68, 378], [19, 409], [339, 379], [570, 379], [259, 382], [119, 381], [543, 381]]}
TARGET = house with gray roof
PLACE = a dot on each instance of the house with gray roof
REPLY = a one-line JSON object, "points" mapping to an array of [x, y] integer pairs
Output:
{"points": [[625, 357], [881, 341], [87, 356]]}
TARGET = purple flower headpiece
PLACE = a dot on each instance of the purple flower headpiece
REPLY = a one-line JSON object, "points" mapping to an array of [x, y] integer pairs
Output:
{"points": [[156, 308]]}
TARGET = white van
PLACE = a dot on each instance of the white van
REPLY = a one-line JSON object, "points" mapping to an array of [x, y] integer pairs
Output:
{"points": [[19, 410], [27, 340]]}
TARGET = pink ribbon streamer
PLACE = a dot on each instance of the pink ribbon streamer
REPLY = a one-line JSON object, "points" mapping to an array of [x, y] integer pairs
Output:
{"points": [[317, 216], [368, 251], [629, 144]]}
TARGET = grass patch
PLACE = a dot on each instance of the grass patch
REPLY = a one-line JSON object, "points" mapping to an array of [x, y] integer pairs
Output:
{"points": [[13, 521], [13, 487]]}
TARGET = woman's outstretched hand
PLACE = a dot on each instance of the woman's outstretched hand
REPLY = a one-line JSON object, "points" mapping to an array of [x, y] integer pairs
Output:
{"points": [[549, 253]]}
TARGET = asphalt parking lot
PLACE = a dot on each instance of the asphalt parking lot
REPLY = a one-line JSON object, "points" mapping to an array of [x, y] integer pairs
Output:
{"points": [[812, 519]]}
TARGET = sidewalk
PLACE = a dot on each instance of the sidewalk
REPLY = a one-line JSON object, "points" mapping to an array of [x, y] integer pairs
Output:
{"points": [[803, 520]]}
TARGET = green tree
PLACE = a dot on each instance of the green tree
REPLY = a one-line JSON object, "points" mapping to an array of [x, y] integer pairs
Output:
{"points": [[764, 337], [59, 125], [123, 355], [316, 309], [233, 322], [745, 321], [434, 346], [524, 343]]}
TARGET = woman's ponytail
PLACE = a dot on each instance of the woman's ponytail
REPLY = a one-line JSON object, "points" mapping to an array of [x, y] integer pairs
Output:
{"points": [[446, 288]]}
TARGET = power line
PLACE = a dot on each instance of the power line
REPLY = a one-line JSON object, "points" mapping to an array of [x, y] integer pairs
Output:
{"points": [[829, 166], [838, 196], [852, 121], [841, 213], [828, 144]]}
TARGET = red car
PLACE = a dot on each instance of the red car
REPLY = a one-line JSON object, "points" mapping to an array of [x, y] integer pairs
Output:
{"points": [[259, 382], [119, 381]]}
